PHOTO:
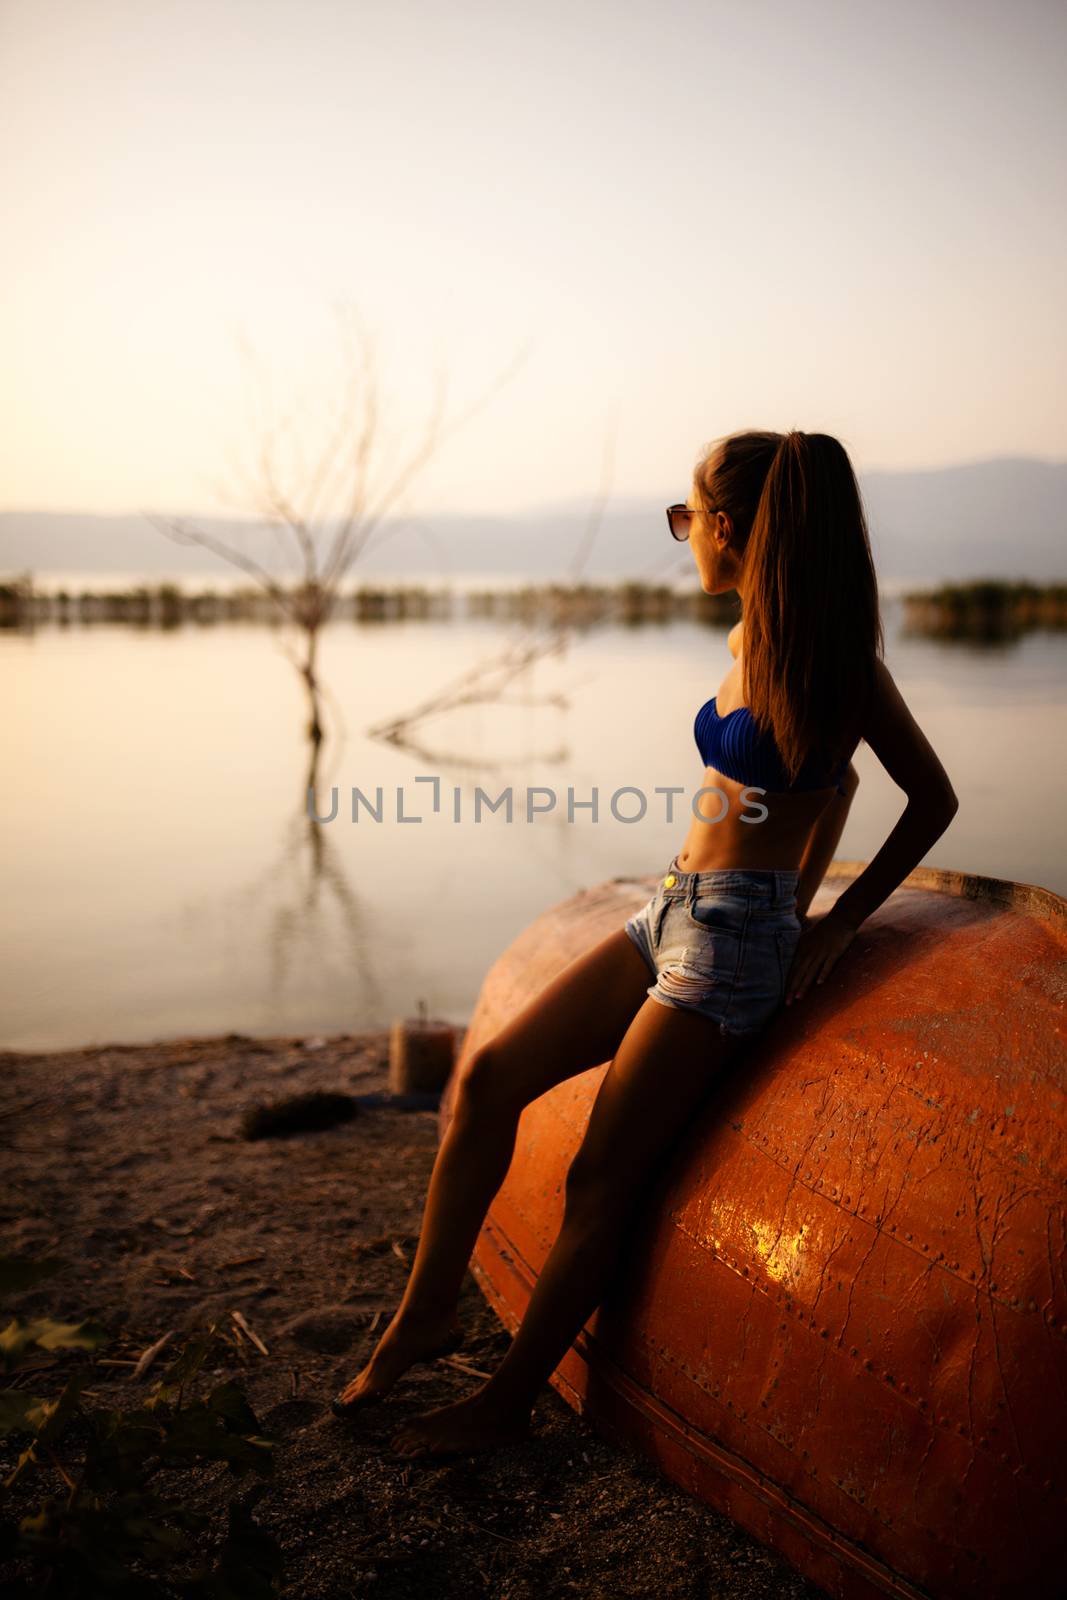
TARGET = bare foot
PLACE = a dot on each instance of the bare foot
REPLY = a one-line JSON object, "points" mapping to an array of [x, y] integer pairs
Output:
{"points": [[403, 1343], [464, 1426]]}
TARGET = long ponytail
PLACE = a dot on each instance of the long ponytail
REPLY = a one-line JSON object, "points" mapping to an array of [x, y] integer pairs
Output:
{"points": [[813, 626]]}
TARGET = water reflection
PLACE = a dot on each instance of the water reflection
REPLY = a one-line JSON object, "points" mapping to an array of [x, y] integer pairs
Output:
{"points": [[162, 876]]}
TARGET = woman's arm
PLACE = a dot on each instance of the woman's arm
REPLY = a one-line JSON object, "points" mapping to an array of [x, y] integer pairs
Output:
{"points": [[907, 756], [911, 762], [823, 841]]}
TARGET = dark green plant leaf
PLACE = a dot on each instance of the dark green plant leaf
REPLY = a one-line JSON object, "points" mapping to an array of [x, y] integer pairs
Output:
{"points": [[251, 1562], [89, 1545], [21, 1413], [185, 1365], [228, 1400], [19, 1338], [200, 1433], [123, 1443], [61, 1410], [55, 1414], [114, 1522], [27, 1459]]}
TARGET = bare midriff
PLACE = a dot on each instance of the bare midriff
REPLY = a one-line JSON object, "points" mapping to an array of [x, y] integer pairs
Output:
{"points": [[776, 839]]}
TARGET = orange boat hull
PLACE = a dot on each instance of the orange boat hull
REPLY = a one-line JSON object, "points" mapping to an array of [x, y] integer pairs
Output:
{"points": [[844, 1319]]}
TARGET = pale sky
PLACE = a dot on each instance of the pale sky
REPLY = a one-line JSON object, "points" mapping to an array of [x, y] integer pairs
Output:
{"points": [[688, 218]]}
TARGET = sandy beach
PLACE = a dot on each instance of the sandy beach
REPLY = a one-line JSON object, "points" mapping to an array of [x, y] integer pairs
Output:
{"points": [[129, 1163]]}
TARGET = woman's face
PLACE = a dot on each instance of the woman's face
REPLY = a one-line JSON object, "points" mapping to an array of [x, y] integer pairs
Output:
{"points": [[709, 540]]}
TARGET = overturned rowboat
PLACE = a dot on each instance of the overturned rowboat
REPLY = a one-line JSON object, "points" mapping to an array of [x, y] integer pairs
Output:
{"points": [[843, 1321]]}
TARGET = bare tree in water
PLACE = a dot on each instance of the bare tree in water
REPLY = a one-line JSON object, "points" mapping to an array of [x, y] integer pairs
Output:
{"points": [[486, 682], [342, 475]]}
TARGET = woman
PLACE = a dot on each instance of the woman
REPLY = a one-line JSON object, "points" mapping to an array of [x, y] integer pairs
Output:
{"points": [[726, 937]]}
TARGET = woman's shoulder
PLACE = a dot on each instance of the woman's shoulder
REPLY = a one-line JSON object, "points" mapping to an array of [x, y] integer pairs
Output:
{"points": [[893, 734], [884, 695], [885, 716]]}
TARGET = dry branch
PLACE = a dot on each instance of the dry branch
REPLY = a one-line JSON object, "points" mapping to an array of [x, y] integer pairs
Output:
{"points": [[151, 1353], [250, 1332]]}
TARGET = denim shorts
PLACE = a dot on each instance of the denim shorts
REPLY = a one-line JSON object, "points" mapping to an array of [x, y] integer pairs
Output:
{"points": [[720, 943]]}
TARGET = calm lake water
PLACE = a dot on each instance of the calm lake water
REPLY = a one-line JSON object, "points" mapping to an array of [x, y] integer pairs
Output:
{"points": [[161, 875]]}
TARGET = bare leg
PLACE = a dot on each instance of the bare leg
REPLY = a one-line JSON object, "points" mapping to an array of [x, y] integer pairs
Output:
{"points": [[557, 1035], [471, 1165], [665, 1065]]}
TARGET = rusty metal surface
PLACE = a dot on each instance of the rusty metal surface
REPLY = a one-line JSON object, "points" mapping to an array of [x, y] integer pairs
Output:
{"points": [[844, 1319]]}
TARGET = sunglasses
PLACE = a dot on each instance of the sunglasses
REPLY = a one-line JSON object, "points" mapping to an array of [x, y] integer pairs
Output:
{"points": [[679, 520]]}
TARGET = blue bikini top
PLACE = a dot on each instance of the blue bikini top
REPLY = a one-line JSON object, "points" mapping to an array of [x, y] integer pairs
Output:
{"points": [[734, 746]]}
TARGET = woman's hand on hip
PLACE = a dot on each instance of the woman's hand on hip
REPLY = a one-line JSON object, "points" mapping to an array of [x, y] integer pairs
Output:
{"points": [[823, 940]]}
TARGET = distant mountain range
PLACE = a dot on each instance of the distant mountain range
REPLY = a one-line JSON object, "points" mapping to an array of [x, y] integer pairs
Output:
{"points": [[1002, 518]]}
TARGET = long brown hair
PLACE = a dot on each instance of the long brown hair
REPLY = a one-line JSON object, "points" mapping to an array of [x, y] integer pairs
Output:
{"points": [[812, 624]]}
